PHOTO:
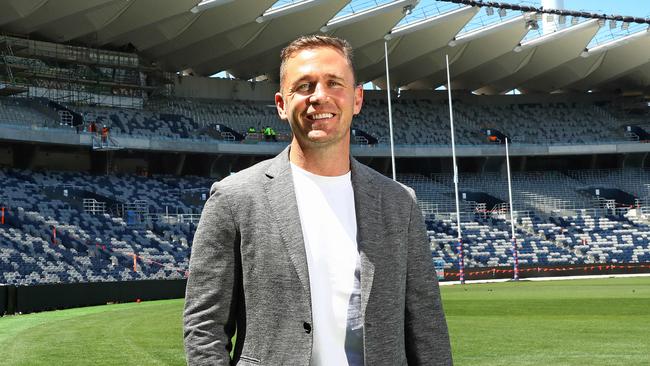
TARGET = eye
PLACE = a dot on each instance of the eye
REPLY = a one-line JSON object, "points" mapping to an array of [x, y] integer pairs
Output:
{"points": [[302, 87], [334, 83]]}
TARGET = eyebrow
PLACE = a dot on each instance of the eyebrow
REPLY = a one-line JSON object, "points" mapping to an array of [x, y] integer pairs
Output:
{"points": [[329, 76], [333, 76]]}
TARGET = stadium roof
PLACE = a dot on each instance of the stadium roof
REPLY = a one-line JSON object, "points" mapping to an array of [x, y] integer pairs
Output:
{"points": [[490, 52]]}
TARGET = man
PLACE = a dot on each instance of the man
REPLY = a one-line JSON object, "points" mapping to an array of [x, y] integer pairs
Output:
{"points": [[339, 271]]}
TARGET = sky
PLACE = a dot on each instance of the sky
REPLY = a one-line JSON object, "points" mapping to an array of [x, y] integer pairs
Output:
{"points": [[636, 8]]}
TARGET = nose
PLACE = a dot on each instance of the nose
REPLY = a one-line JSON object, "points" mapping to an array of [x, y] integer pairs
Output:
{"points": [[319, 95]]}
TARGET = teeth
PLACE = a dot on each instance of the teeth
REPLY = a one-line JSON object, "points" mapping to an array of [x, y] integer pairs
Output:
{"points": [[322, 115]]}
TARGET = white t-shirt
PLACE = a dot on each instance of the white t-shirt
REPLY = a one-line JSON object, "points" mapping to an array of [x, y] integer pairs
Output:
{"points": [[329, 228]]}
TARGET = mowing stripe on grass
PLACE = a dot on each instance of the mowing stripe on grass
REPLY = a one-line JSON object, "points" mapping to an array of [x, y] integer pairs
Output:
{"points": [[572, 322]]}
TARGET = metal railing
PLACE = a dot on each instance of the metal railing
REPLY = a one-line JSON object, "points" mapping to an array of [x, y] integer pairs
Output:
{"points": [[92, 206], [172, 218], [101, 143]]}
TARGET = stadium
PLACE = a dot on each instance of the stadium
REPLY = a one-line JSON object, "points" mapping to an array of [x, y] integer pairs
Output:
{"points": [[523, 128]]}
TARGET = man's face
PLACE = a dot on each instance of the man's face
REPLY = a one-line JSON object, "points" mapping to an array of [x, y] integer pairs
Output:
{"points": [[318, 97]]}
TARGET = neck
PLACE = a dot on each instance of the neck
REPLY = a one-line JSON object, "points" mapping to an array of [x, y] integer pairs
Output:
{"points": [[329, 161]]}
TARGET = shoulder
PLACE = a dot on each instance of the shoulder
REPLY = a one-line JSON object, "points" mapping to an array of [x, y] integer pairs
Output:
{"points": [[236, 192], [245, 180]]}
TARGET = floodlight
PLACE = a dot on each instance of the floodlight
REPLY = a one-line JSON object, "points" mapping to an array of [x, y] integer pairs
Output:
{"points": [[584, 53], [502, 12], [408, 9], [561, 19], [575, 20], [489, 11], [625, 25], [452, 43], [517, 48], [612, 24], [601, 22], [549, 18]]}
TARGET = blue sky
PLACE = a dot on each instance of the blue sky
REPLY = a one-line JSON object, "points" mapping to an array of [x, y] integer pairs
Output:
{"points": [[637, 8]]}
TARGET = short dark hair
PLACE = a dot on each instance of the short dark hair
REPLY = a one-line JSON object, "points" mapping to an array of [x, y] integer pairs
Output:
{"points": [[316, 41]]}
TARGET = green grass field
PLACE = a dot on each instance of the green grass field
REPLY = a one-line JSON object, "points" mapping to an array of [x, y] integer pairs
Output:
{"points": [[576, 322]]}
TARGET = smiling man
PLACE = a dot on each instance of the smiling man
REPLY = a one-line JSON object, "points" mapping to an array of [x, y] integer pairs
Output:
{"points": [[340, 273], [319, 97]]}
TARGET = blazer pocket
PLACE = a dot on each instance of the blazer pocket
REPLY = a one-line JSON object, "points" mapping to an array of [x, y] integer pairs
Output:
{"points": [[245, 360]]}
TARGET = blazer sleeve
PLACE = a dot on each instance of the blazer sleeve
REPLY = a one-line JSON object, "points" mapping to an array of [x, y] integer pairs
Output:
{"points": [[427, 337], [210, 296]]}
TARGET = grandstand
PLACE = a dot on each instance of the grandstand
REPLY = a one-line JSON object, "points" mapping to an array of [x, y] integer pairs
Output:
{"points": [[58, 231], [420, 121], [82, 205]]}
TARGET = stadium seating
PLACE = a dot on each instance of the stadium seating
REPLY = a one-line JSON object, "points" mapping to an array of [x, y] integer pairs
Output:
{"points": [[19, 111], [238, 115], [556, 224], [140, 122], [416, 121], [89, 246], [634, 181], [98, 244], [101, 221], [423, 122]]}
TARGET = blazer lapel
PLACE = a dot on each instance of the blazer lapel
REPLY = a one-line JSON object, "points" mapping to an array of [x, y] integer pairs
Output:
{"points": [[280, 192], [367, 200]]}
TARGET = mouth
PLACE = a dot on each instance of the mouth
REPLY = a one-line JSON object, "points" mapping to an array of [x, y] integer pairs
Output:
{"points": [[316, 117]]}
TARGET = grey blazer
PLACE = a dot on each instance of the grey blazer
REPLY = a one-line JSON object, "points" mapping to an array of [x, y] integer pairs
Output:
{"points": [[248, 274]]}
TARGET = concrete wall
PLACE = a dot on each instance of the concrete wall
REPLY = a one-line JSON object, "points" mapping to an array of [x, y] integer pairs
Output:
{"points": [[6, 156], [129, 165], [55, 160], [440, 95], [29, 299], [209, 146], [217, 88]]}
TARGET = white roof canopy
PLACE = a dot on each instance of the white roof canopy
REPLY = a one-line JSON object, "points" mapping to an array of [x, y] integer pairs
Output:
{"points": [[245, 37]]}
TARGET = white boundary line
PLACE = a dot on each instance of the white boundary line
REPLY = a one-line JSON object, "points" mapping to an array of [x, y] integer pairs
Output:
{"points": [[557, 278]]}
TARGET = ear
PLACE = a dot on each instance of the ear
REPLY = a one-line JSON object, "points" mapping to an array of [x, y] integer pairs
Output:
{"points": [[358, 99], [280, 106]]}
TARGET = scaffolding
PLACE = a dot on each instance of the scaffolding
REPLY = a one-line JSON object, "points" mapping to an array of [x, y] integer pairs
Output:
{"points": [[77, 75]]}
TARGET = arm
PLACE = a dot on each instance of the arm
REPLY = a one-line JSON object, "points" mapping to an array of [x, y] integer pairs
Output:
{"points": [[210, 298], [427, 338]]}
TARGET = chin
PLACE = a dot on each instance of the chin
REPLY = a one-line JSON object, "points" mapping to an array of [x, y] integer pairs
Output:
{"points": [[317, 135], [313, 141]]}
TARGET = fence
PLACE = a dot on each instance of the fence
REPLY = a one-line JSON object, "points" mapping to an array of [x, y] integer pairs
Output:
{"points": [[172, 218], [93, 206], [29, 299]]}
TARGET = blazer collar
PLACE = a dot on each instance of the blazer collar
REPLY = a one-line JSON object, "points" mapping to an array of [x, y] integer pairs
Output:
{"points": [[283, 204], [367, 198]]}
